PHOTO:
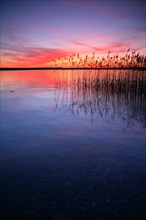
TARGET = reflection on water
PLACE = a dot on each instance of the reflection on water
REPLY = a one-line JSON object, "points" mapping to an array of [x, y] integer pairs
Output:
{"points": [[104, 94], [73, 144]]}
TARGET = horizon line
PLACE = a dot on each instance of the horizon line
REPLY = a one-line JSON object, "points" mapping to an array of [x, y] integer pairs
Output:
{"points": [[72, 68]]}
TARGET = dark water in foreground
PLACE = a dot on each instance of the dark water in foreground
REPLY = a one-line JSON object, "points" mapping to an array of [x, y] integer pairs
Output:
{"points": [[72, 147]]}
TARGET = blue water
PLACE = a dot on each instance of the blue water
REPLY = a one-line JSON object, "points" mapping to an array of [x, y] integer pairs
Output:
{"points": [[70, 152]]}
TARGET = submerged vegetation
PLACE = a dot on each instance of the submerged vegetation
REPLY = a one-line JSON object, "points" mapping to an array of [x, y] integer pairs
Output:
{"points": [[131, 59]]}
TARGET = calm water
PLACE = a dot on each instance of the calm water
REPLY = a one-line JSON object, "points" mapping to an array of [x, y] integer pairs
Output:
{"points": [[73, 145]]}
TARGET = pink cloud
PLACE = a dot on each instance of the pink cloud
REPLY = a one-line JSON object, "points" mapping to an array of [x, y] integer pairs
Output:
{"points": [[113, 47], [30, 56]]}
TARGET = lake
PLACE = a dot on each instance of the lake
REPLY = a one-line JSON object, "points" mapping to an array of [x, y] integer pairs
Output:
{"points": [[73, 144]]}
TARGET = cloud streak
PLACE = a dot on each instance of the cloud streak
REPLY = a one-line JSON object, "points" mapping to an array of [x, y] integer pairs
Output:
{"points": [[119, 47], [21, 55], [30, 56]]}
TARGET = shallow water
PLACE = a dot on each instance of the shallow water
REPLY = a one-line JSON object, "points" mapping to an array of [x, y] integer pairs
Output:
{"points": [[73, 147]]}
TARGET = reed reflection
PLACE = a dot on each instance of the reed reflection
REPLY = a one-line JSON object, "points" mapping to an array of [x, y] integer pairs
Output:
{"points": [[110, 94]]}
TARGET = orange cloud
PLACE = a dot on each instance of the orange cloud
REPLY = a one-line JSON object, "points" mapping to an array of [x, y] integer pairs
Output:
{"points": [[29, 57]]}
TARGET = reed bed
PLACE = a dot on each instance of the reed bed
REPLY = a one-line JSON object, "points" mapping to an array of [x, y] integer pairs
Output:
{"points": [[131, 59]]}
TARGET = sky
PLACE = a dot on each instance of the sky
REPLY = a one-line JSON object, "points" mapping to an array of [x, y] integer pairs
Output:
{"points": [[35, 32]]}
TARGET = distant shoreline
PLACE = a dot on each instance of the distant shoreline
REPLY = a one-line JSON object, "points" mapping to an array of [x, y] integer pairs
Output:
{"points": [[72, 68]]}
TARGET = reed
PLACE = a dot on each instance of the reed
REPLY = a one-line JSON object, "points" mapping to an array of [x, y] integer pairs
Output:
{"points": [[131, 59]]}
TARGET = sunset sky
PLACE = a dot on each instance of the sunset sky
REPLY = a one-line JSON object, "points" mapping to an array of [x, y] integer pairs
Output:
{"points": [[34, 32]]}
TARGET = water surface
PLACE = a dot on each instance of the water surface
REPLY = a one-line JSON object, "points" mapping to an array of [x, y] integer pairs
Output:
{"points": [[73, 145]]}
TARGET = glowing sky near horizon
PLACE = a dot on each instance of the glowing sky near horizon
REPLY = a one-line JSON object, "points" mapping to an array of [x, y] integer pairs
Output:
{"points": [[35, 32]]}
